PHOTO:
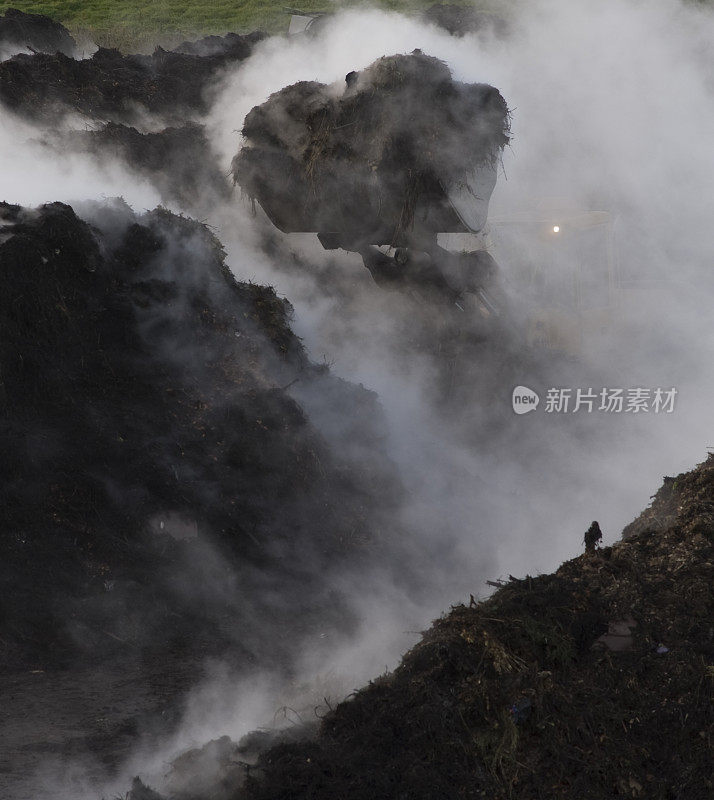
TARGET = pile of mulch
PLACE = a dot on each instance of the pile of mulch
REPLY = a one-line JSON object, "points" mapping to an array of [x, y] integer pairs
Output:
{"points": [[462, 20], [220, 767], [685, 498], [179, 161], [594, 682], [232, 46], [114, 87], [20, 31], [371, 162], [147, 416], [116, 92]]}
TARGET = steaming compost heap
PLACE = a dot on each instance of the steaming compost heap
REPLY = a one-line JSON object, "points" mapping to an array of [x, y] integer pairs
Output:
{"points": [[371, 163], [116, 87], [178, 161], [115, 92], [594, 682], [145, 415], [20, 31], [462, 20], [151, 416]]}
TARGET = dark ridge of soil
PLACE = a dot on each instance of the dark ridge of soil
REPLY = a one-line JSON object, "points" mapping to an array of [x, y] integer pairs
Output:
{"points": [[232, 46], [594, 682], [34, 31], [114, 87], [147, 426], [352, 167], [461, 20], [179, 161]]}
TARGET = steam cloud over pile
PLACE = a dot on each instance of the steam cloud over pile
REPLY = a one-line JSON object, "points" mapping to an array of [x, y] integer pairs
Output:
{"points": [[239, 475]]}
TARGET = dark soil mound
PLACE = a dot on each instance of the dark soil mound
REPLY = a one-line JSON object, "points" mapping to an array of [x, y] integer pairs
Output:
{"points": [[368, 163], [112, 86], [460, 20], [593, 682], [178, 161], [143, 421], [232, 46], [33, 31]]}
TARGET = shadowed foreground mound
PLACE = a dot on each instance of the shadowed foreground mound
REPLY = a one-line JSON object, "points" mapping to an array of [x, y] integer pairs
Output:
{"points": [[593, 682], [158, 481]]}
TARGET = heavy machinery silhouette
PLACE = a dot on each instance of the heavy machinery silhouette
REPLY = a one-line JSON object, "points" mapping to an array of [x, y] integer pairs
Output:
{"points": [[382, 166]]}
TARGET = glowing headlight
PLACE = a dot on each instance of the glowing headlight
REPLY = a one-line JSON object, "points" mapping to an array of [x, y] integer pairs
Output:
{"points": [[556, 228]]}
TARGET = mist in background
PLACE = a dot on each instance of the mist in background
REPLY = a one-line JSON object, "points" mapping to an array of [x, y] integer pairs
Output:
{"points": [[611, 110], [32, 173]]}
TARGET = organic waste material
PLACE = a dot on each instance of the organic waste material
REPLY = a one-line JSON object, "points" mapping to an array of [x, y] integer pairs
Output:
{"points": [[595, 681], [179, 481], [370, 162], [21, 32], [462, 20], [178, 161], [147, 422], [111, 86]]}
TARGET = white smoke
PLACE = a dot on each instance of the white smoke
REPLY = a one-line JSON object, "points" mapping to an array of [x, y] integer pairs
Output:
{"points": [[612, 109], [32, 173]]}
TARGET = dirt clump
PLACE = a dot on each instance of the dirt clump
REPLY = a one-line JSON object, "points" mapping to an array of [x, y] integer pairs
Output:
{"points": [[594, 682], [20, 31], [370, 162], [148, 431]]}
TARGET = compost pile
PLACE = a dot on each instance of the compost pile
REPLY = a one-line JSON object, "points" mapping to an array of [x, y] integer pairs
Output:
{"points": [[114, 93], [146, 416], [114, 87], [593, 682], [179, 161], [367, 162], [232, 46], [20, 31], [462, 20]]}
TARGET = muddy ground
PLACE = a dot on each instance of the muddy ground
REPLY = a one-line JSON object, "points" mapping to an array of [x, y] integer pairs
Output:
{"points": [[87, 719]]}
